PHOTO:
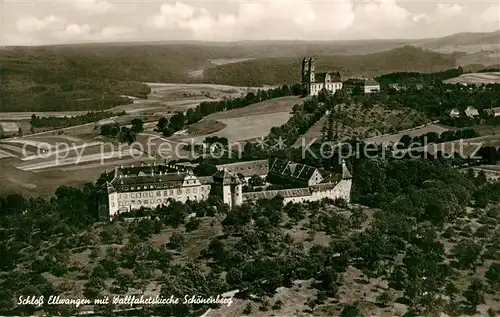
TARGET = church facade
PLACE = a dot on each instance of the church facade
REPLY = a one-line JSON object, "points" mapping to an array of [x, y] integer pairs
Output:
{"points": [[315, 82]]}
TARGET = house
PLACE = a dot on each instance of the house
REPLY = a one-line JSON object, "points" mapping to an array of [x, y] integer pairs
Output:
{"points": [[316, 82], [371, 86], [495, 112], [471, 112], [8, 128], [454, 113]]}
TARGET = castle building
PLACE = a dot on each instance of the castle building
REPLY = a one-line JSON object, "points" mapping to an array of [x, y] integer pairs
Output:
{"points": [[315, 82], [130, 188]]}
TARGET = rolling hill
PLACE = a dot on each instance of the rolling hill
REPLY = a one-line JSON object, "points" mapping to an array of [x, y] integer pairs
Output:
{"points": [[95, 76], [273, 71]]}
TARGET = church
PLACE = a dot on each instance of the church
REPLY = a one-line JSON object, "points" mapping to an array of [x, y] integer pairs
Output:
{"points": [[315, 82]]}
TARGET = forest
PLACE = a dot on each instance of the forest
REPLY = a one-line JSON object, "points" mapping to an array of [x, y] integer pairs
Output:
{"points": [[428, 230]]}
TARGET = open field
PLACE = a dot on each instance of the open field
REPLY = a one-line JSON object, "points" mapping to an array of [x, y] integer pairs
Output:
{"points": [[248, 127], [283, 104], [476, 78]]}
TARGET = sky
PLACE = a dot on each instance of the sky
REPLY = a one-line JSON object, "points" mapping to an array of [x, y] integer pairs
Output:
{"points": [[39, 22]]}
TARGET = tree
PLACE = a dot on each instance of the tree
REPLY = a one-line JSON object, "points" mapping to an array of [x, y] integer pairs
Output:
{"points": [[466, 253], [256, 180], [474, 294], [137, 125], [493, 275], [350, 311], [162, 124], [176, 241]]}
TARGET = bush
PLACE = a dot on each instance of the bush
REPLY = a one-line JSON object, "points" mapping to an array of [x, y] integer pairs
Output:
{"points": [[248, 309], [176, 241]]}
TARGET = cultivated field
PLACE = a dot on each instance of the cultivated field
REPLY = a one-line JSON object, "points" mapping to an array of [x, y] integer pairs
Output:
{"points": [[476, 78], [283, 104], [248, 127], [246, 123], [73, 156]]}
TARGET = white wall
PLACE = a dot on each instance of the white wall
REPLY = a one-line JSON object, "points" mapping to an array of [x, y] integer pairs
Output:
{"points": [[154, 198]]}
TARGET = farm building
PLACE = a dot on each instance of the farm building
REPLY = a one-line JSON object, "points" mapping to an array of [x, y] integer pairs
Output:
{"points": [[8, 128], [471, 112]]}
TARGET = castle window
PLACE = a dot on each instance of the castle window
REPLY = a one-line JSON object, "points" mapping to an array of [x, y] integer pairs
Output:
{"points": [[150, 194], [139, 195], [195, 190], [145, 187], [165, 193], [139, 202], [195, 198], [179, 192], [158, 201], [145, 202], [171, 192], [187, 190], [158, 193], [132, 202]]}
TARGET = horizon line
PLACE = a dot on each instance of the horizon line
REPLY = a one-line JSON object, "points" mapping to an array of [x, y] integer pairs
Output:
{"points": [[158, 42]]}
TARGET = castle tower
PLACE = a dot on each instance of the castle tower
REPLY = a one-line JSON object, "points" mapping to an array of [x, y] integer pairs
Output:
{"points": [[229, 186], [312, 70]]}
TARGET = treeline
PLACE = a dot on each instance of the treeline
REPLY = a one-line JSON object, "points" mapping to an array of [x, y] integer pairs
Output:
{"points": [[412, 78], [122, 133], [436, 101], [58, 122], [434, 137], [168, 126]]}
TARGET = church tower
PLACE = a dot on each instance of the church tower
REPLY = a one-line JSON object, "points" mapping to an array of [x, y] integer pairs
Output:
{"points": [[305, 71], [312, 69]]}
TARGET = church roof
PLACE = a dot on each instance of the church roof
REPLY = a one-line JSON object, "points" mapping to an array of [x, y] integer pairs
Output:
{"points": [[334, 77]]}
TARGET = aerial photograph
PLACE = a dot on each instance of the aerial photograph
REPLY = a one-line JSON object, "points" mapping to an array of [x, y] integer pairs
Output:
{"points": [[231, 158]]}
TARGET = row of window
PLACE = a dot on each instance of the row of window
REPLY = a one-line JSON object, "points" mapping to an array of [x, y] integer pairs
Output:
{"points": [[158, 193], [146, 202], [192, 182]]}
